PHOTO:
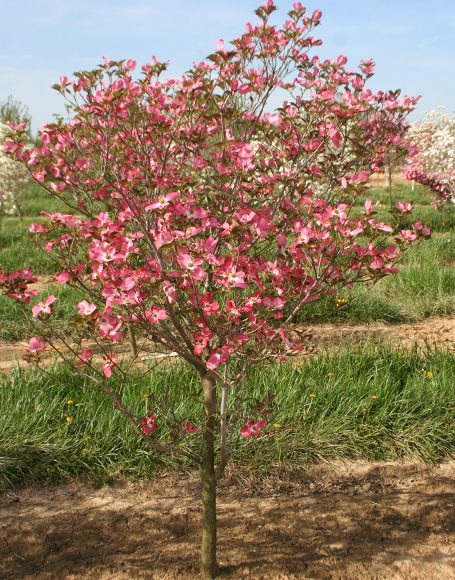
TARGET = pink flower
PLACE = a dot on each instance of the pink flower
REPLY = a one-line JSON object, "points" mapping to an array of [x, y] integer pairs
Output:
{"points": [[155, 314], [170, 292], [110, 327], [39, 176], [37, 228], [376, 263], [252, 429], [85, 357], [127, 284], [214, 361], [86, 308], [234, 279], [108, 366], [274, 120], [408, 235], [148, 424], [426, 232], [43, 307], [102, 252], [355, 231], [361, 177], [162, 202], [163, 238], [63, 278], [190, 429], [275, 303], [186, 262], [334, 134], [220, 46], [36, 345], [130, 64], [404, 207]]}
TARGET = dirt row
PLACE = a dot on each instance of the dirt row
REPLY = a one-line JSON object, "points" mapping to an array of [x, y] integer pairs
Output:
{"points": [[433, 332], [338, 521]]}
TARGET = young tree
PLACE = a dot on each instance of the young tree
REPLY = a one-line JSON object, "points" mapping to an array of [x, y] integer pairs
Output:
{"points": [[432, 162], [206, 220]]}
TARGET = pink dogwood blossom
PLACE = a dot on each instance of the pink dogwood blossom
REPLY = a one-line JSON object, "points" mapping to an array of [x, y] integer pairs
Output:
{"points": [[86, 308], [109, 363], [252, 429], [190, 429], [148, 424], [43, 307], [36, 345]]}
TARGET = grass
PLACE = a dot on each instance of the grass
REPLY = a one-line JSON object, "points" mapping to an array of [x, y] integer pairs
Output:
{"points": [[16, 325], [370, 404], [400, 192], [36, 199], [424, 287], [18, 252]]}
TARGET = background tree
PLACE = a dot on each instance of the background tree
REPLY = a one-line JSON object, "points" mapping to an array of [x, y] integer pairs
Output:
{"points": [[14, 112], [13, 180], [207, 220], [432, 162]]}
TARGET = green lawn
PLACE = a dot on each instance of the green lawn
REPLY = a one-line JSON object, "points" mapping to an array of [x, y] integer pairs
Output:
{"points": [[370, 404]]}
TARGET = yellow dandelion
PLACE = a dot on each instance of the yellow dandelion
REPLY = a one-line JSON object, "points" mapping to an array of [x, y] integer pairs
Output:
{"points": [[70, 402], [146, 396], [69, 420], [374, 397], [429, 374], [277, 425], [312, 395]]}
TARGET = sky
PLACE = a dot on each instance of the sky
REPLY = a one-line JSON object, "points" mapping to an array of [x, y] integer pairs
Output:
{"points": [[411, 41]]}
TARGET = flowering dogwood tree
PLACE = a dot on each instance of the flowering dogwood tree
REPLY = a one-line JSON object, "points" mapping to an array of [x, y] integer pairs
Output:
{"points": [[205, 219], [13, 178], [433, 161]]}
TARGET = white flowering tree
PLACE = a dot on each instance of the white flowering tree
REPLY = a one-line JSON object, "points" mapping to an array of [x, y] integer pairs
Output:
{"points": [[432, 162], [13, 178]]}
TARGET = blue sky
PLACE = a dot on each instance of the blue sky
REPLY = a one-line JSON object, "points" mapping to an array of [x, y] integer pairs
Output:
{"points": [[412, 41]]}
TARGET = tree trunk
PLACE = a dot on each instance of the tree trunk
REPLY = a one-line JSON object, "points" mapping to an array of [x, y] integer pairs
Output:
{"points": [[132, 337], [388, 181], [209, 565]]}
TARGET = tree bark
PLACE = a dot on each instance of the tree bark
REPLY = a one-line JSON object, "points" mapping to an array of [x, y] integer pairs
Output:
{"points": [[209, 564], [132, 337], [388, 181]]}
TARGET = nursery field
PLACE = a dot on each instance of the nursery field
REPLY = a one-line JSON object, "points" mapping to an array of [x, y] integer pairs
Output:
{"points": [[342, 475]]}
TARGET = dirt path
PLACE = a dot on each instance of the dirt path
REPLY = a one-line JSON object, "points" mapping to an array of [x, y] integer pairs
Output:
{"points": [[356, 521], [435, 332]]}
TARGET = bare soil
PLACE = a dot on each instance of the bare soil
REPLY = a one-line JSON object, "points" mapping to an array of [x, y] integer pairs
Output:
{"points": [[337, 521], [434, 332], [379, 179]]}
